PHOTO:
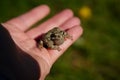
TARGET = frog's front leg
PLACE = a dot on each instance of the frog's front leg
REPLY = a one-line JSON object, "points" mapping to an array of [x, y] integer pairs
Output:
{"points": [[50, 45], [55, 47], [40, 45]]}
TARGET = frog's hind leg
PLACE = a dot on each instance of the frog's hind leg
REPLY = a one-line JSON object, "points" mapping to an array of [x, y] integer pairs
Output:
{"points": [[56, 48], [68, 36]]}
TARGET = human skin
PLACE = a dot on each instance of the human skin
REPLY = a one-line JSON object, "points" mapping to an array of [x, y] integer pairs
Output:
{"points": [[24, 37]]}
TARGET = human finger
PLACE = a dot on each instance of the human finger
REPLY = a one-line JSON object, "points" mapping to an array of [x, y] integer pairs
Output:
{"points": [[55, 21], [26, 20], [70, 23]]}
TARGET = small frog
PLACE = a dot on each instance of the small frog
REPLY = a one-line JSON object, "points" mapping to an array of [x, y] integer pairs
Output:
{"points": [[54, 38]]}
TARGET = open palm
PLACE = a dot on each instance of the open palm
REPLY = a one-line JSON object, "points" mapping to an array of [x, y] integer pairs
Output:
{"points": [[25, 37]]}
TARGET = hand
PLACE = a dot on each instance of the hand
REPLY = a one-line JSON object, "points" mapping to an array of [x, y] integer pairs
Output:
{"points": [[24, 37]]}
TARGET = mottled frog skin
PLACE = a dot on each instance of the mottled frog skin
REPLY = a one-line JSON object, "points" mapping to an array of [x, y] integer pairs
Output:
{"points": [[54, 38]]}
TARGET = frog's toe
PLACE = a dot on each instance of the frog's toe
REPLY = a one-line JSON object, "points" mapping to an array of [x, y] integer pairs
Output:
{"points": [[59, 49]]}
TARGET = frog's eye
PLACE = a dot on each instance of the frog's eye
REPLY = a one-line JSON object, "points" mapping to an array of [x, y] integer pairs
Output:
{"points": [[56, 29], [62, 32]]}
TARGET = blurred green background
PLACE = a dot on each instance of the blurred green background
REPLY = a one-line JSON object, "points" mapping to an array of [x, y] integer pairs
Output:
{"points": [[94, 56]]}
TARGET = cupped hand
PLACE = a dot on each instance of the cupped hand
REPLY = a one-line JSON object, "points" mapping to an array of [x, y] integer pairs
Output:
{"points": [[24, 37]]}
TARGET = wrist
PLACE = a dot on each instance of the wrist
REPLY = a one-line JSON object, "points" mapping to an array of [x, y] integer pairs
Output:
{"points": [[15, 61], [44, 67]]}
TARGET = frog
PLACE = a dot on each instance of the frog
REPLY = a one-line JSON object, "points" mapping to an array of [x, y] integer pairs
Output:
{"points": [[54, 38]]}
